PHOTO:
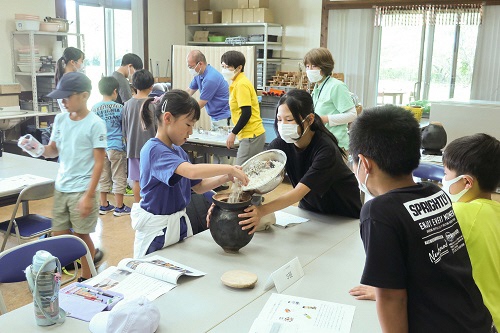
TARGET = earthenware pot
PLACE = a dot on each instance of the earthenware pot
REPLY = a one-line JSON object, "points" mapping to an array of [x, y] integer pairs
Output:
{"points": [[224, 221]]}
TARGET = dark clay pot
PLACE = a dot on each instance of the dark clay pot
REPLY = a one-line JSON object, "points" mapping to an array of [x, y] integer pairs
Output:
{"points": [[224, 221], [433, 139]]}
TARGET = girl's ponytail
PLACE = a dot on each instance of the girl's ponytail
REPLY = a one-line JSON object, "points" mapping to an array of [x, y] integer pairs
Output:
{"points": [[148, 109]]}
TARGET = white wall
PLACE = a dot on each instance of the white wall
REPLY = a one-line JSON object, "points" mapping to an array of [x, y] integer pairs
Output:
{"points": [[301, 20], [165, 28], [41, 8]]}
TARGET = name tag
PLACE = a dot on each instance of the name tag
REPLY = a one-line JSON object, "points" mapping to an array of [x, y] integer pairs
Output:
{"points": [[285, 276]]}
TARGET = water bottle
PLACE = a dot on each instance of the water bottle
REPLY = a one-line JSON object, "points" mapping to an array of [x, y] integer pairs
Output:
{"points": [[44, 279], [32, 146]]}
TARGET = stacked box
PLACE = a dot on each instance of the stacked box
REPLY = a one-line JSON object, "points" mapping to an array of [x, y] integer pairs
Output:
{"points": [[263, 15], [237, 15], [248, 16], [192, 17], [258, 3], [197, 5], [9, 94], [242, 4], [45, 85], [210, 16], [227, 16]]}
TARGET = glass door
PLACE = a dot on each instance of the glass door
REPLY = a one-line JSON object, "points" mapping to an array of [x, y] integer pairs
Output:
{"points": [[108, 36]]}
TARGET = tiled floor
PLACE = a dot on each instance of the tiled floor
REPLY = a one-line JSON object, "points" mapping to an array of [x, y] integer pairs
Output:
{"points": [[114, 235]]}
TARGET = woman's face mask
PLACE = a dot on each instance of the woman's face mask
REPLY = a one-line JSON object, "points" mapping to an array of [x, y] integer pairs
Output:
{"points": [[314, 75], [227, 73]]}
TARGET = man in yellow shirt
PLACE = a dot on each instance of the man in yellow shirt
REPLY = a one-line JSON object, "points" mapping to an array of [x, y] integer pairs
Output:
{"points": [[245, 111]]}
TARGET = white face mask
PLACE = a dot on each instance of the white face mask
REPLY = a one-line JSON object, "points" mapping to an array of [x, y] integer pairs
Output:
{"points": [[227, 73], [193, 71], [362, 186], [288, 132], [446, 188], [82, 68], [314, 75]]}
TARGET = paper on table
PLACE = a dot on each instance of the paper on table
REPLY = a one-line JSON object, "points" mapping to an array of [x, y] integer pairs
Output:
{"points": [[18, 182], [291, 314], [285, 220]]}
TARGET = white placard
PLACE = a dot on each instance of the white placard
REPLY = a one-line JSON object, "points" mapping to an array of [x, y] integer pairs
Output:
{"points": [[285, 276]]}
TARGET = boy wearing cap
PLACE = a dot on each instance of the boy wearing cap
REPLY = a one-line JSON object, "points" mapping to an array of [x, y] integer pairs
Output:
{"points": [[79, 139]]}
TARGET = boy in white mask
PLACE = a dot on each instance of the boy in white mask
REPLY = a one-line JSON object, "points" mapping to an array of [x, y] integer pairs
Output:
{"points": [[332, 99], [321, 181], [416, 256], [472, 174]]}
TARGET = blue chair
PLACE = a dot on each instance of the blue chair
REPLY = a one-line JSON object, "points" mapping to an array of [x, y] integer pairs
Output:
{"points": [[13, 262], [31, 225], [428, 171]]}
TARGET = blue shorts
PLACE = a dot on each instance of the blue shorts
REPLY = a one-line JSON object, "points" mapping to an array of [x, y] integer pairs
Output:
{"points": [[134, 169]]}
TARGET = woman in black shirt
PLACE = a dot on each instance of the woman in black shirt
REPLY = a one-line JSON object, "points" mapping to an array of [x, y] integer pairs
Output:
{"points": [[321, 180]]}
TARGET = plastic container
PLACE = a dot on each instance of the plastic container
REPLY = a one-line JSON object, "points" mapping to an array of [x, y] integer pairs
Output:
{"points": [[27, 25], [32, 146], [260, 38]]}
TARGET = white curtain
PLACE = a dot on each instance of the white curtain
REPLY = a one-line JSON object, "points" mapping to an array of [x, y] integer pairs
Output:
{"points": [[486, 75], [138, 29], [355, 45]]}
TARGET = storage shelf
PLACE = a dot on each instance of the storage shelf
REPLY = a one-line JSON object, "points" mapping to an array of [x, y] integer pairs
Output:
{"points": [[235, 25], [45, 33], [236, 44], [37, 73]]}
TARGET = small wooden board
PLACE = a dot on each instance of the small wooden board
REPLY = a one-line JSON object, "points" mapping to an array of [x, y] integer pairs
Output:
{"points": [[239, 279]]}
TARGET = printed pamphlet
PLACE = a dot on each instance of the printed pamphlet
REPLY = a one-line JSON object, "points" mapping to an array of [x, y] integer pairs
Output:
{"points": [[292, 314], [151, 277]]}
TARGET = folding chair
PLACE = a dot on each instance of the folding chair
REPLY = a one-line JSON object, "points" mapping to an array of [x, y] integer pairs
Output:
{"points": [[427, 171], [14, 261], [30, 225]]}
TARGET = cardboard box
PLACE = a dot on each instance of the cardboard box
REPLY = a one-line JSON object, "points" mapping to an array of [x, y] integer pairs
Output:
{"points": [[258, 3], [200, 36], [263, 15], [10, 88], [227, 16], [197, 5], [192, 17], [237, 16], [242, 4], [9, 100], [248, 16], [210, 16]]}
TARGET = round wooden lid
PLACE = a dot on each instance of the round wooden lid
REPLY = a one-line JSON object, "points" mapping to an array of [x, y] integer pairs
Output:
{"points": [[239, 279]]}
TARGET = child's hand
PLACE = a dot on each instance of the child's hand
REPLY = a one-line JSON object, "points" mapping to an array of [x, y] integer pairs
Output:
{"points": [[363, 292], [238, 173], [254, 215], [209, 214], [85, 206]]}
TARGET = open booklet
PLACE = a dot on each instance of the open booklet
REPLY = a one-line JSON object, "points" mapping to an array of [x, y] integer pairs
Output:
{"points": [[151, 277], [292, 314]]}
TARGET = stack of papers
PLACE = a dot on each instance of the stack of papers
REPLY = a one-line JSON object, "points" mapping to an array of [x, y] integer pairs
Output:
{"points": [[286, 220]]}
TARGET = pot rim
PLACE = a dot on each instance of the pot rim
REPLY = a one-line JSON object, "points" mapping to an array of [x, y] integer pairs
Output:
{"points": [[218, 200]]}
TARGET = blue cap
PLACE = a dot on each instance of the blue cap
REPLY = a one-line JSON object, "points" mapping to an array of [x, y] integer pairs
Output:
{"points": [[70, 83]]}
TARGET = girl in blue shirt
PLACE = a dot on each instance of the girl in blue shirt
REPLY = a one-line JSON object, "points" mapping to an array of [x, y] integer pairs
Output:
{"points": [[167, 176]]}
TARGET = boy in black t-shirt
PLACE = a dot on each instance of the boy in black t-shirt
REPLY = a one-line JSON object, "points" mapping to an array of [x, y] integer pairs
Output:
{"points": [[415, 251]]}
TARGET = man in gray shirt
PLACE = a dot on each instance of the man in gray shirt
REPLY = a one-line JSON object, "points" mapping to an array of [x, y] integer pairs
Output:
{"points": [[130, 63]]}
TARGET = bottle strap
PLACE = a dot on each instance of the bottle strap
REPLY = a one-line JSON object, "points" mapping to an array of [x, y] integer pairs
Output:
{"points": [[36, 296]]}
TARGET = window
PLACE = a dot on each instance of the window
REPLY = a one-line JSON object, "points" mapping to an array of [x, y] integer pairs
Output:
{"points": [[427, 52], [108, 36]]}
